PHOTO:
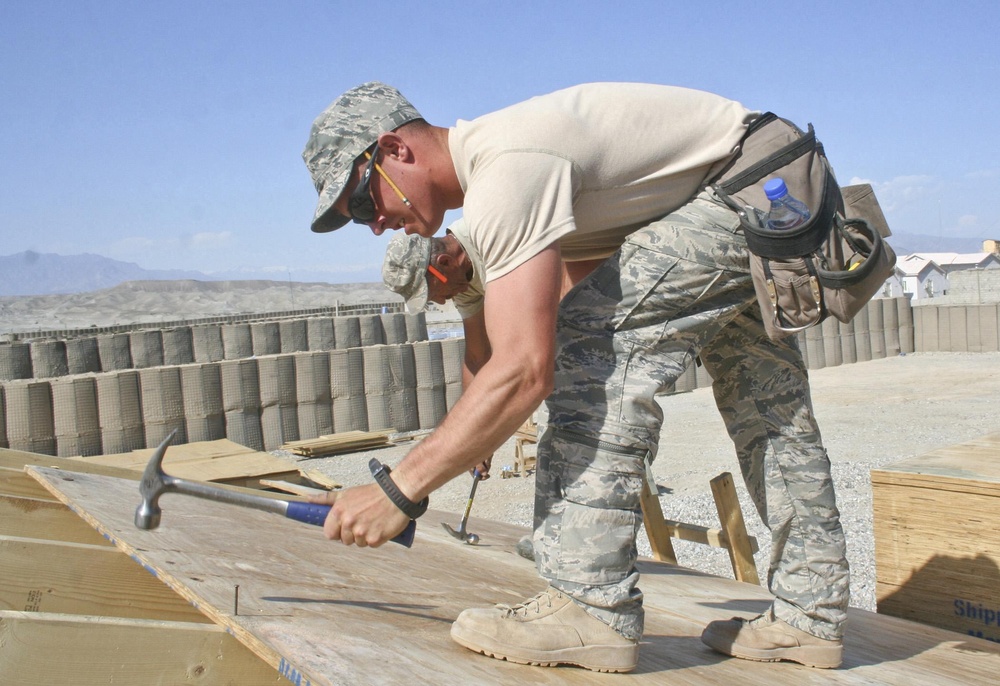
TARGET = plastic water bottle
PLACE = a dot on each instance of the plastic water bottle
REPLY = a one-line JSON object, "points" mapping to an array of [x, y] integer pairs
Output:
{"points": [[786, 212]]}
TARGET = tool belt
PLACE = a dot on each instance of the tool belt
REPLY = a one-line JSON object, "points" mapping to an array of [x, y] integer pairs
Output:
{"points": [[833, 263]]}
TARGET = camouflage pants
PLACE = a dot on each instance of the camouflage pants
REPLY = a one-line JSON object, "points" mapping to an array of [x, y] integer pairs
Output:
{"points": [[677, 289]]}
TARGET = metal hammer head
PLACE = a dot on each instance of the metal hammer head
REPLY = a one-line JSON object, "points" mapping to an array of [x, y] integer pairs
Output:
{"points": [[153, 484], [462, 534]]}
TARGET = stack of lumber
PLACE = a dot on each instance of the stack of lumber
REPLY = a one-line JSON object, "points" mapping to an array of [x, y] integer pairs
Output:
{"points": [[937, 546], [344, 442]]}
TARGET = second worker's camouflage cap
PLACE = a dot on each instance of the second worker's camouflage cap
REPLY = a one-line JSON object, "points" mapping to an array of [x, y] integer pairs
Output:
{"points": [[345, 129], [404, 270]]}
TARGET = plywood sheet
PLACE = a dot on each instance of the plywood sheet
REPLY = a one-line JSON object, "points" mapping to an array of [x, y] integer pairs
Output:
{"points": [[18, 459], [220, 460], [185, 452], [322, 613], [973, 466], [937, 547]]}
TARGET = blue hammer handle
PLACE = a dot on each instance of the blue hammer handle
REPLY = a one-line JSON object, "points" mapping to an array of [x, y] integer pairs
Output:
{"points": [[315, 514]]}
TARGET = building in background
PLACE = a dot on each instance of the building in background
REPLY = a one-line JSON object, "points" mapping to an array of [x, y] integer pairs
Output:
{"points": [[953, 262], [921, 278], [934, 275]]}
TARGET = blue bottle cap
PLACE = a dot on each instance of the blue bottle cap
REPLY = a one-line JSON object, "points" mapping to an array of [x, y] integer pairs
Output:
{"points": [[775, 188]]}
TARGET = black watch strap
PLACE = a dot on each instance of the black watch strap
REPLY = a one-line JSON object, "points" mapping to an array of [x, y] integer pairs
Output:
{"points": [[381, 473]]}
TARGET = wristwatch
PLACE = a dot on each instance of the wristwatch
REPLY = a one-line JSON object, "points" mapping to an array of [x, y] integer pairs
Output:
{"points": [[381, 473]]}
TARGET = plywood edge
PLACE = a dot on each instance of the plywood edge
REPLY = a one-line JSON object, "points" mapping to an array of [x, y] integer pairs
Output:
{"points": [[96, 651], [974, 460], [291, 487], [317, 477], [935, 481]]}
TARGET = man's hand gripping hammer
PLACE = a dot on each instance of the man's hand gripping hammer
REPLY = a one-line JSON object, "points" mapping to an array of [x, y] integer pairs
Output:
{"points": [[155, 482]]}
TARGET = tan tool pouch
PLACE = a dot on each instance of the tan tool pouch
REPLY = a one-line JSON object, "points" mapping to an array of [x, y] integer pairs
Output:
{"points": [[830, 265]]}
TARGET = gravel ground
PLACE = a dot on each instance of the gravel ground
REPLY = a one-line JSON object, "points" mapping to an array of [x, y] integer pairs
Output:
{"points": [[872, 414]]}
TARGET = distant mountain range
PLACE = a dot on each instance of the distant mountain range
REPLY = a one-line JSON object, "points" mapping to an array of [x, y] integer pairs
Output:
{"points": [[32, 273]]}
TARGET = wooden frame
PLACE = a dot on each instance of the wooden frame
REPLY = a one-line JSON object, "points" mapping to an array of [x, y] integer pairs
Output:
{"points": [[732, 536]]}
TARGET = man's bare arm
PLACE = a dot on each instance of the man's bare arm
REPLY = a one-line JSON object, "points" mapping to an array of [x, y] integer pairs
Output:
{"points": [[477, 346], [517, 376], [477, 353]]}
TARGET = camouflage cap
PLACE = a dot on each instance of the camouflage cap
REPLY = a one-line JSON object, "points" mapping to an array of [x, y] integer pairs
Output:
{"points": [[345, 129], [404, 270]]}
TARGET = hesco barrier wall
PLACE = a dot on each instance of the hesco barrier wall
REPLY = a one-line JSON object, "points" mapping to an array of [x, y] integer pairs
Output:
{"points": [[261, 402], [146, 348], [957, 328], [260, 384], [334, 311], [367, 381]]}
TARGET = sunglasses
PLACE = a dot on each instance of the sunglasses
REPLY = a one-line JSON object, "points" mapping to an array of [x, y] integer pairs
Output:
{"points": [[360, 204]]}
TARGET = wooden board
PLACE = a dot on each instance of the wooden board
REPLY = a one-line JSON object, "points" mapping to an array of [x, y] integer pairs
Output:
{"points": [[937, 543], [971, 465], [183, 452], [322, 613], [336, 444], [18, 459], [45, 648], [16, 483], [76, 578], [222, 460], [44, 519], [66, 590]]}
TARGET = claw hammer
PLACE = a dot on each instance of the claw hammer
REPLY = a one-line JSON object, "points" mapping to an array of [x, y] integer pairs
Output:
{"points": [[462, 534], [155, 482]]}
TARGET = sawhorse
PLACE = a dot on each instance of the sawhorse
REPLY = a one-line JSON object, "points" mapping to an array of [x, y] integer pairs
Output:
{"points": [[732, 536]]}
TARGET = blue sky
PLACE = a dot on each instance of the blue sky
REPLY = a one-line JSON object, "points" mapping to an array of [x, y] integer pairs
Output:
{"points": [[169, 134]]}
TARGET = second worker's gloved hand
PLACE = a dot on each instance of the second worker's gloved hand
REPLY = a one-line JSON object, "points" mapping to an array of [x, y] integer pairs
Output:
{"points": [[483, 468]]}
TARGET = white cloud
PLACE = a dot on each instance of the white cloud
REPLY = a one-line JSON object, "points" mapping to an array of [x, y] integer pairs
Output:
{"points": [[902, 190], [968, 220], [207, 239]]}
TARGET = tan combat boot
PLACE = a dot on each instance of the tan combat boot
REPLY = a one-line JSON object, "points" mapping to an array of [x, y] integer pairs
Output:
{"points": [[766, 638], [547, 630]]}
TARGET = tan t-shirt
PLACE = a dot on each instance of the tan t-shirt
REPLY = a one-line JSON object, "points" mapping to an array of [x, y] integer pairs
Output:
{"points": [[586, 166], [471, 301]]}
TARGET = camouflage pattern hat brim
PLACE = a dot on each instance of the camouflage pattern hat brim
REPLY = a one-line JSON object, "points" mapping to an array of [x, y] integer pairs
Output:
{"points": [[404, 270], [345, 129]]}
